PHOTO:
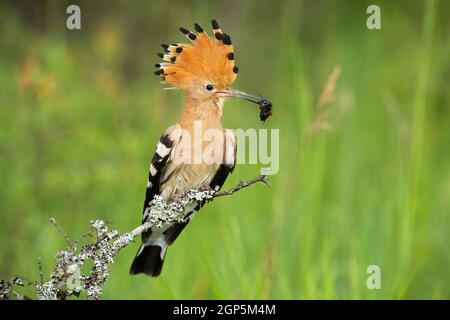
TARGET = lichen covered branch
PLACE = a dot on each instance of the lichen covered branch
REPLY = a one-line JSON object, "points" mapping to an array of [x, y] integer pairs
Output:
{"points": [[71, 276]]}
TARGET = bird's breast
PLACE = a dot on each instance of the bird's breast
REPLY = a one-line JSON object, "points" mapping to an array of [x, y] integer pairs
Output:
{"points": [[195, 161]]}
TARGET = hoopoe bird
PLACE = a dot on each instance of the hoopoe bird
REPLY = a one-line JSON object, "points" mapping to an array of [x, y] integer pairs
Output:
{"points": [[205, 69]]}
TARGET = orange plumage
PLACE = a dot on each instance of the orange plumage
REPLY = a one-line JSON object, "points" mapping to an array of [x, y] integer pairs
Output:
{"points": [[207, 59]]}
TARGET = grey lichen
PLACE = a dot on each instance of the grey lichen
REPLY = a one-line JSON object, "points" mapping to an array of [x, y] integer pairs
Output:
{"points": [[160, 213], [6, 288]]}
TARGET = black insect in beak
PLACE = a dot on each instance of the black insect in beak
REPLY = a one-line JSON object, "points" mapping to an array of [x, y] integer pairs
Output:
{"points": [[265, 105]]}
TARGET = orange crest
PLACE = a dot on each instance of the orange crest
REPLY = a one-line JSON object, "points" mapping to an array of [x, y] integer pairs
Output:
{"points": [[207, 59]]}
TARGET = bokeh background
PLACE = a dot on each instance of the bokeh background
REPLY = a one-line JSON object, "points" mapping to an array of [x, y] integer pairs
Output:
{"points": [[364, 178]]}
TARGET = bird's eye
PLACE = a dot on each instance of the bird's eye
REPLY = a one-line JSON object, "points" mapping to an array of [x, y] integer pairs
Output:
{"points": [[209, 87]]}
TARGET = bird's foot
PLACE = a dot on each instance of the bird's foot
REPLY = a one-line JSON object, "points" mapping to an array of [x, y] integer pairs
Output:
{"points": [[206, 188], [177, 198]]}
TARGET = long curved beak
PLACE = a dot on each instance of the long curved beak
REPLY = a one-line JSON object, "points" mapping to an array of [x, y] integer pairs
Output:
{"points": [[240, 95]]}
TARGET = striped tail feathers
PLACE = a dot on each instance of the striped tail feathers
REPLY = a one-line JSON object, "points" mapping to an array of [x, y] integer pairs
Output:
{"points": [[150, 257]]}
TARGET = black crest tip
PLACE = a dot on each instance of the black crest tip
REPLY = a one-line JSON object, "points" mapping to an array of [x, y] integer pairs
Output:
{"points": [[226, 39], [184, 30], [214, 24], [198, 28]]}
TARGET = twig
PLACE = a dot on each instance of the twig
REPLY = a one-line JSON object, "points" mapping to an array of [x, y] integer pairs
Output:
{"points": [[41, 272], [83, 236], [243, 184], [61, 231]]}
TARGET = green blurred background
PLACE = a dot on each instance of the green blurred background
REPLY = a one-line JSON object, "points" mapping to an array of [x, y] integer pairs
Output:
{"points": [[81, 111]]}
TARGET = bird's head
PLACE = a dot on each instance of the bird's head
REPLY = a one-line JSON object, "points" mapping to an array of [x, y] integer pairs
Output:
{"points": [[205, 68]]}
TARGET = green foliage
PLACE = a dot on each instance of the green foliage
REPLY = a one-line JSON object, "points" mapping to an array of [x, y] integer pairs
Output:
{"points": [[80, 114]]}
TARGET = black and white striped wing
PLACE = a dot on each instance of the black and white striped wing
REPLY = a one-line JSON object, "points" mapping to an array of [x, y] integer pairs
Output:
{"points": [[150, 257], [160, 160]]}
